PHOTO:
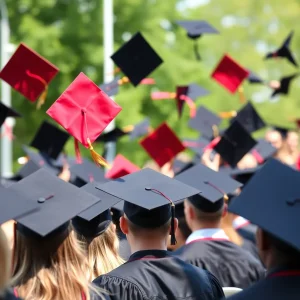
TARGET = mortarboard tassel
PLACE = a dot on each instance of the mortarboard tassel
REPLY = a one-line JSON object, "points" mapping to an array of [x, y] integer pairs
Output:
{"points": [[242, 94], [44, 94], [162, 95], [148, 81], [128, 128], [215, 130], [97, 158], [213, 143], [227, 114], [191, 105], [77, 152], [257, 156], [196, 50]]}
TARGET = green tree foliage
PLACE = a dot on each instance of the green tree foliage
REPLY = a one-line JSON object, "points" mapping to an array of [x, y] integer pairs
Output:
{"points": [[69, 34]]}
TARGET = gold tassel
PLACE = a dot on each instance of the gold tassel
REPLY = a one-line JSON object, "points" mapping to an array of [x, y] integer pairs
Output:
{"points": [[215, 130], [226, 198], [128, 128], [97, 158], [42, 98], [227, 114], [242, 95], [123, 80]]}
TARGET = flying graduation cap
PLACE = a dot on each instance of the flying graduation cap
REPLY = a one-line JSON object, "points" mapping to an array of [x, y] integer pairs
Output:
{"points": [[284, 51], [284, 85], [84, 111], [195, 29], [136, 59], [253, 78], [29, 74], [184, 94]]}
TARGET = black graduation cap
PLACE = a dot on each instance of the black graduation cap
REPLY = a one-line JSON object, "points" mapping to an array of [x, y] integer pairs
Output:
{"points": [[284, 51], [249, 118], [195, 29], [180, 166], [50, 140], [271, 201], [214, 187], [111, 136], [14, 205], [57, 200], [137, 59], [253, 78], [236, 141], [241, 175], [284, 87], [87, 172], [264, 149], [111, 88], [197, 145], [94, 221], [6, 112], [148, 195], [140, 129], [37, 161], [205, 122]]}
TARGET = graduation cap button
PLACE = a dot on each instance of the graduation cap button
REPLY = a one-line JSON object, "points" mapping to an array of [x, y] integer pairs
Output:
{"points": [[148, 188], [41, 200]]}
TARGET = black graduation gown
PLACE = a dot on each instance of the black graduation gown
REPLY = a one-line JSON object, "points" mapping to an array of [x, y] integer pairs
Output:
{"points": [[251, 247], [281, 287], [232, 265], [248, 232], [9, 295], [156, 274]]}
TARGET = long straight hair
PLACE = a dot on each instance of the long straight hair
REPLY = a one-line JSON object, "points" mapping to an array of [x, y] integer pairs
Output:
{"points": [[50, 268], [5, 259], [102, 252]]}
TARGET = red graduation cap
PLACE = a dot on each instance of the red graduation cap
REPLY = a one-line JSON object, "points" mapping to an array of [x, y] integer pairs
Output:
{"points": [[84, 110], [230, 74], [29, 73], [121, 167], [162, 144]]}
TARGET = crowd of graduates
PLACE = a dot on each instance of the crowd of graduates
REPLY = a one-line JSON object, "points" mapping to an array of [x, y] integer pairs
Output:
{"points": [[217, 221]]}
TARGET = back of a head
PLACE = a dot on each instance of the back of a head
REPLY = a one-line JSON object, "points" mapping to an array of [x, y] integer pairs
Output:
{"points": [[102, 252], [41, 265], [5, 259]]}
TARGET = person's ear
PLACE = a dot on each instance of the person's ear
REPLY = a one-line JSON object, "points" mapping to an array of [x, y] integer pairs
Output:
{"points": [[124, 225], [225, 210]]}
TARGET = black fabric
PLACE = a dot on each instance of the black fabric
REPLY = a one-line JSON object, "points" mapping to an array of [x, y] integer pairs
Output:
{"points": [[204, 205], [8, 295], [232, 265], [248, 232], [251, 248], [156, 274], [276, 288]]}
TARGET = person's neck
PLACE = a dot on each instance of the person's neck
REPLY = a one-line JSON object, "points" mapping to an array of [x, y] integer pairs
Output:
{"points": [[199, 226], [147, 244]]}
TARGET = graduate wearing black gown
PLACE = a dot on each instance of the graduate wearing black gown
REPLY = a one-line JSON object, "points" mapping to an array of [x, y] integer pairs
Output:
{"points": [[153, 273], [275, 189], [208, 247]]}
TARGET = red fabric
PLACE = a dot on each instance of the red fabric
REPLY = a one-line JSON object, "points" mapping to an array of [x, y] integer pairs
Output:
{"points": [[257, 156], [213, 143], [180, 91], [84, 100], [162, 144], [285, 273], [230, 74], [121, 167], [298, 163], [161, 95], [28, 72]]}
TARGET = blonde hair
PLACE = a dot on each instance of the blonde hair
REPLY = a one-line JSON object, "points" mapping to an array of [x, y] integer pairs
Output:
{"points": [[5, 258], [102, 252], [229, 230], [50, 268]]}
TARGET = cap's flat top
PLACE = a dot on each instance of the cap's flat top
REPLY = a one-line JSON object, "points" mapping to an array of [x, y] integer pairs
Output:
{"points": [[204, 122], [134, 188], [213, 185], [162, 144], [27, 72], [14, 205], [230, 74], [271, 201], [50, 140], [84, 110], [88, 172], [195, 28], [61, 201], [235, 143], [106, 201], [137, 59]]}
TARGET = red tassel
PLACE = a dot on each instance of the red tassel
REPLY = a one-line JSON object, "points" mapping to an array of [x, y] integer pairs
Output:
{"points": [[191, 105], [257, 156], [77, 152], [212, 144], [148, 81], [162, 95], [193, 144]]}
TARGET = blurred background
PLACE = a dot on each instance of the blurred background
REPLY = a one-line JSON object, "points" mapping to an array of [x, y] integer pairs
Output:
{"points": [[69, 33]]}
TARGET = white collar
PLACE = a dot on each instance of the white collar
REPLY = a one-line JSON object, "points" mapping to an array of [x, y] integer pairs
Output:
{"points": [[207, 233], [239, 222]]}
